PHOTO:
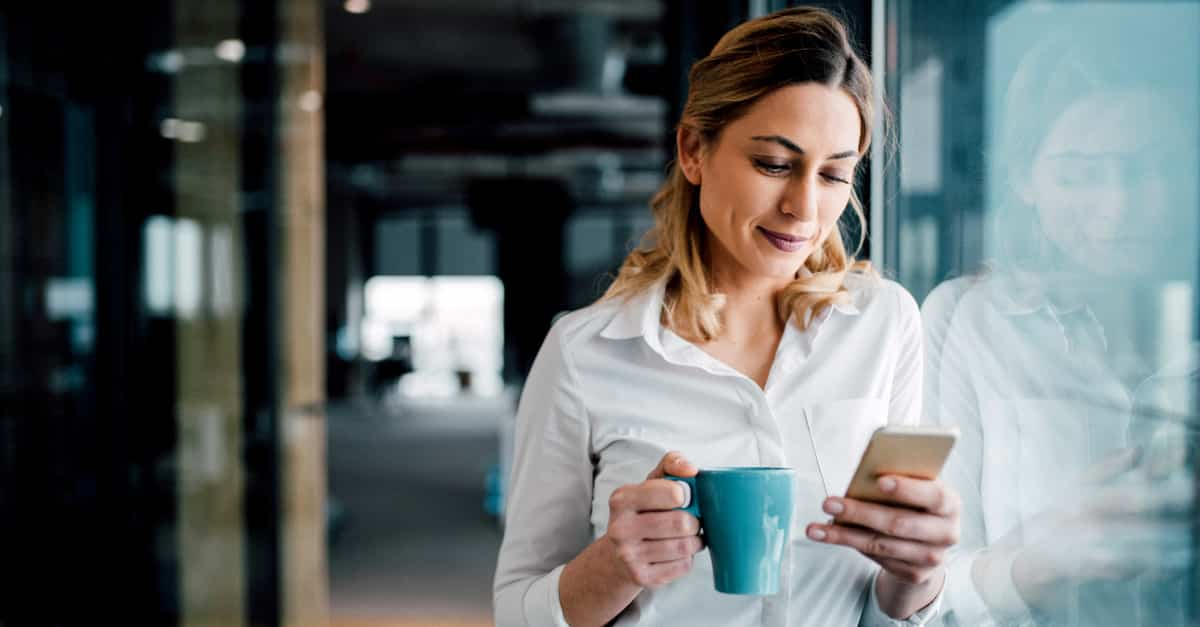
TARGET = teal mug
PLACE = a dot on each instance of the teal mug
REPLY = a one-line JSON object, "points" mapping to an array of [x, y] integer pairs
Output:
{"points": [[745, 515]]}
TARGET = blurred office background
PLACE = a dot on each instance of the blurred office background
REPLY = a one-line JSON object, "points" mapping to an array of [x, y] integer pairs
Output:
{"points": [[272, 271]]}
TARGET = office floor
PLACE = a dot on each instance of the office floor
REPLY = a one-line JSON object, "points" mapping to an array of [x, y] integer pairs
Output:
{"points": [[416, 547]]}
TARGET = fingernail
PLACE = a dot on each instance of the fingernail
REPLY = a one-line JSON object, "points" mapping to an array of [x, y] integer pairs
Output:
{"points": [[685, 494], [887, 484], [834, 507], [816, 533]]}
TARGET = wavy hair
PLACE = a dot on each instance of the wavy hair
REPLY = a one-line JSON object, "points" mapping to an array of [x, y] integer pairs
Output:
{"points": [[788, 47]]}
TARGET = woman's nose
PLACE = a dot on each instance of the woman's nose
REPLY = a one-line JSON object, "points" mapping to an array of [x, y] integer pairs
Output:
{"points": [[800, 199]]}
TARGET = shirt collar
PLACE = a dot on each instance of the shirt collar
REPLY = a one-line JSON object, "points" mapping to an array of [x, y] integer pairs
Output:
{"points": [[1022, 295], [641, 314], [638, 315]]}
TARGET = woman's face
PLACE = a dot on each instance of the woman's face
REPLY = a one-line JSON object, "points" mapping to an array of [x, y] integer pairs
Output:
{"points": [[1098, 182], [775, 181]]}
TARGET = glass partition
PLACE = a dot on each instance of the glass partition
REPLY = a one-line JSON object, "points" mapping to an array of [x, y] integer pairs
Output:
{"points": [[1044, 209]]}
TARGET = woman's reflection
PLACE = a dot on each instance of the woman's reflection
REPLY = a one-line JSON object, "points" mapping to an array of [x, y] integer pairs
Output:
{"points": [[1053, 362]]}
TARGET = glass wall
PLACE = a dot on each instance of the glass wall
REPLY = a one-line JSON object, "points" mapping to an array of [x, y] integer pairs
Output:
{"points": [[1043, 209], [161, 207]]}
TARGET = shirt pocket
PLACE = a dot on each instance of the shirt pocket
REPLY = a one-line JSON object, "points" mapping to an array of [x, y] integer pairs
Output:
{"points": [[1041, 450], [840, 433]]}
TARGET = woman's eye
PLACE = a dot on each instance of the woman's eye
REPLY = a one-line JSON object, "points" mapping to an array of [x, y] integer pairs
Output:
{"points": [[773, 169], [834, 177]]}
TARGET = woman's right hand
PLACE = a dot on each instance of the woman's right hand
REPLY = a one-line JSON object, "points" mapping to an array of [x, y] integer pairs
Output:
{"points": [[654, 542], [1120, 524]]}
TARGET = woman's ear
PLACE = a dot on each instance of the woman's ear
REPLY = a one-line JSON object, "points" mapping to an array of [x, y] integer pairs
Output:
{"points": [[688, 147]]}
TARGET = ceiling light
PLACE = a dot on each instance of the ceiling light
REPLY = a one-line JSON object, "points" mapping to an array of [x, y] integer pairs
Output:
{"points": [[358, 6], [310, 101], [182, 130], [231, 50], [171, 61], [191, 132], [169, 128]]}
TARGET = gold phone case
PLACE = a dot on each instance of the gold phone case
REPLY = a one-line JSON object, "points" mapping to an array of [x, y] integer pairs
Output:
{"points": [[909, 451]]}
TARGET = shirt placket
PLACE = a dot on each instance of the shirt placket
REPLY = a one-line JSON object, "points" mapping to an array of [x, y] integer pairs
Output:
{"points": [[769, 441], [794, 346], [772, 452]]}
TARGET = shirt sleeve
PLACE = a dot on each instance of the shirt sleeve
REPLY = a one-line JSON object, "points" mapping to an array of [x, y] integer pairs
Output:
{"points": [[550, 492], [951, 401], [904, 406], [874, 616], [904, 409]]}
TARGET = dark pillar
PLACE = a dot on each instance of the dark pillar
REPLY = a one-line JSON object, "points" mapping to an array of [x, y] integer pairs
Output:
{"points": [[528, 217]]}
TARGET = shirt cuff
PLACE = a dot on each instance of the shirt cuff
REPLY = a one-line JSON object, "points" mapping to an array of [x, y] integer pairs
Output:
{"points": [[541, 603], [961, 598], [874, 616], [1004, 600]]}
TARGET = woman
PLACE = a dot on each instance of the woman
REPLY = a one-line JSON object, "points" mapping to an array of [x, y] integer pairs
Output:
{"points": [[743, 334], [1059, 364]]}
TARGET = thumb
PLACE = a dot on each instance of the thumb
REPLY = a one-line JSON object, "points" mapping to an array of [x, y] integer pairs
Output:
{"points": [[674, 464], [1113, 466]]}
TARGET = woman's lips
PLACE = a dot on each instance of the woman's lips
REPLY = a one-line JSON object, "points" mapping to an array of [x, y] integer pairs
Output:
{"points": [[784, 242]]}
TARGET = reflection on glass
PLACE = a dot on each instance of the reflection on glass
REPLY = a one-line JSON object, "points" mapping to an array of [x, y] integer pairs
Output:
{"points": [[1069, 363], [221, 274], [156, 238], [176, 281], [152, 424], [189, 283]]}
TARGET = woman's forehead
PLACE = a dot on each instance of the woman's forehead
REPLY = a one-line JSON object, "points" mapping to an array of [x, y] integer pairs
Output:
{"points": [[1112, 122], [817, 118]]}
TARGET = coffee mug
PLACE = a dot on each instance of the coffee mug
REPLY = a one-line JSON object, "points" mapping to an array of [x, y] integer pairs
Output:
{"points": [[745, 515]]}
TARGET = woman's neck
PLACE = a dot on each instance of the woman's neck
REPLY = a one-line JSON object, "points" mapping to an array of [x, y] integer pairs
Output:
{"points": [[750, 304], [751, 328]]}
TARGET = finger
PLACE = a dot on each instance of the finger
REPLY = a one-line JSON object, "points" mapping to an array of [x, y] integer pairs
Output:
{"points": [[658, 551], [877, 545], [1167, 451], [1164, 498], [650, 495], [898, 522], [662, 573], [930, 495], [674, 464], [663, 525], [1151, 541]]}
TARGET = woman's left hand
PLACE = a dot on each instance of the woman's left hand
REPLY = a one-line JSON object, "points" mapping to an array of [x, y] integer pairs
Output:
{"points": [[909, 542]]}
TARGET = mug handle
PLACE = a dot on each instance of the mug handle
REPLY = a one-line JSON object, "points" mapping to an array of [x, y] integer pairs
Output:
{"points": [[691, 504]]}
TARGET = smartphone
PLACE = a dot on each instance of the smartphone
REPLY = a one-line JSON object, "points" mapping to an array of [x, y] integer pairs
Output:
{"points": [[908, 451]]}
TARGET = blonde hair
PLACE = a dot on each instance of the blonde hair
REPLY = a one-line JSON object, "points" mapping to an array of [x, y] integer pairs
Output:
{"points": [[796, 45]]}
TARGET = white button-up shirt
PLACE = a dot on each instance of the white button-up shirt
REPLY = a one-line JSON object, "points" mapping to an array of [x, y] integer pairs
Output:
{"points": [[612, 390], [1040, 395]]}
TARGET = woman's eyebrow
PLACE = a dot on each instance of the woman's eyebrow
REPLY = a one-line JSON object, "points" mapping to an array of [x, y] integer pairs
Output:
{"points": [[787, 143]]}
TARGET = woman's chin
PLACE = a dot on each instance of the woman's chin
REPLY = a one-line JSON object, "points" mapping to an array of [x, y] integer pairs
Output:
{"points": [[774, 265], [783, 272]]}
